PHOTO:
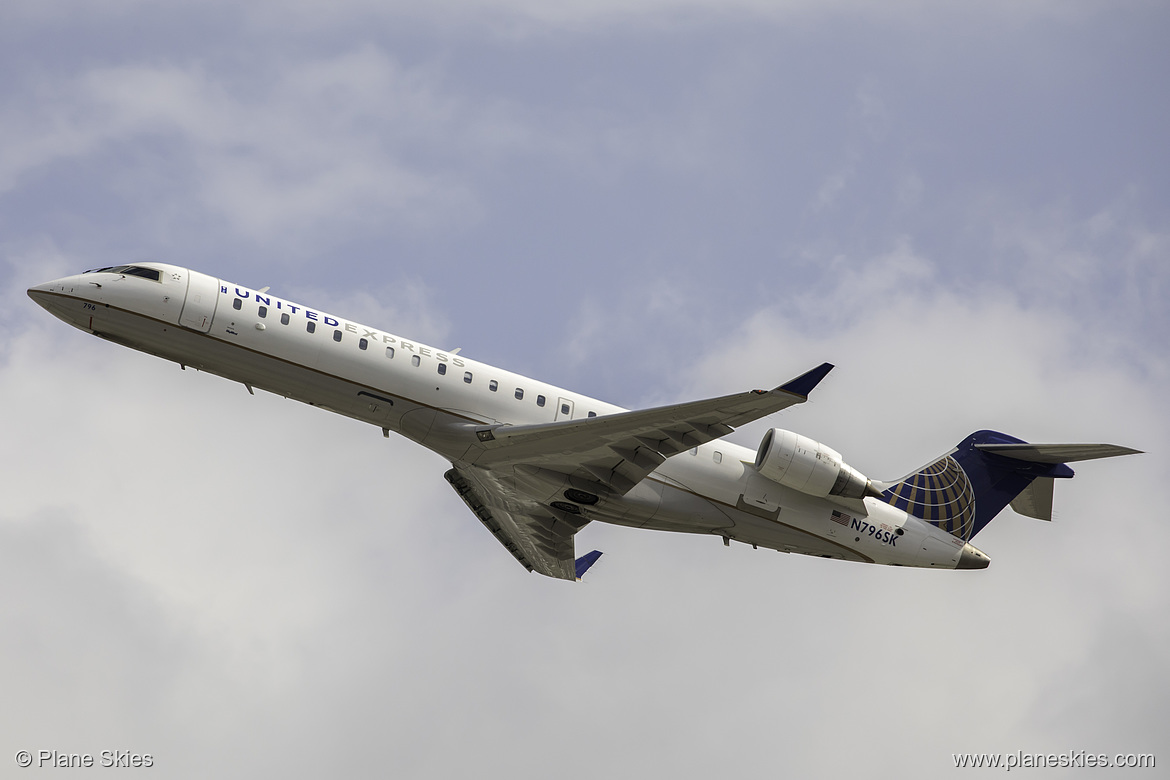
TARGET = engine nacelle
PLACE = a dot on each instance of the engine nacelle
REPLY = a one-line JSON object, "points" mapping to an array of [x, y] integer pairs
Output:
{"points": [[802, 464]]}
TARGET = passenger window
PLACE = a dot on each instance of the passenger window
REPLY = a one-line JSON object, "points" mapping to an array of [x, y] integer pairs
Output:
{"points": [[718, 457], [519, 393], [442, 369], [493, 385], [284, 318], [311, 326], [237, 304], [263, 312], [337, 335], [564, 408], [540, 400], [415, 360], [467, 377], [389, 352], [363, 343]]}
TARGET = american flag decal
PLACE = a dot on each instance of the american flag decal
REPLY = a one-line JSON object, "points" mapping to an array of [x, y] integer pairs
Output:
{"points": [[840, 518]]}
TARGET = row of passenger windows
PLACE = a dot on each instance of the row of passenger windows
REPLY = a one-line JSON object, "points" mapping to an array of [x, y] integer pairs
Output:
{"points": [[415, 360]]}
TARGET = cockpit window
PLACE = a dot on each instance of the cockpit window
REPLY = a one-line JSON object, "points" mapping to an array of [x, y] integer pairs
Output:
{"points": [[128, 270], [146, 273]]}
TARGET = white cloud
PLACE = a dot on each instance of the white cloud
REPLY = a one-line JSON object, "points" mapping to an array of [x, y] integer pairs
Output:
{"points": [[311, 152], [213, 577], [871, 109], [920, 365], [325, 140], [1108, 267], [514, 17], [832, 187], [871, 122], [532, 17], [258, 572]]}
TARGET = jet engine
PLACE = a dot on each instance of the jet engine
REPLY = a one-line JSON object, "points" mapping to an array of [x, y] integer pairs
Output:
{"points": [[802, 464]]}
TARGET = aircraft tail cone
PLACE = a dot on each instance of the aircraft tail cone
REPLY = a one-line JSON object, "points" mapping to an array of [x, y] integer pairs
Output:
{"points": [[973, 558]]}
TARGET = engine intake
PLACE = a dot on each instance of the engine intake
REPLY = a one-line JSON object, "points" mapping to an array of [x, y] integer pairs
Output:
{"points": [[802, 464]]}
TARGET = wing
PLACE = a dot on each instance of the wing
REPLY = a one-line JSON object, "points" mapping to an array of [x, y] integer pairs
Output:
{"points": [[613, 452], [539, 536], [619, 450]]}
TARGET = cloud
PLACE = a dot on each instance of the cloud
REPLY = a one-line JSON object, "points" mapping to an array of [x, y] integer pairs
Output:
{"points": [[514, 17], [899, 327], [328, 139], [921, 363], [1105, 264], [869, 126], [832, 187], [314, 153], [325, 585], [213, 577]]}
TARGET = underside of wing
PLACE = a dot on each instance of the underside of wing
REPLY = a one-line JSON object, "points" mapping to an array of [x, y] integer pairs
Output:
{"points": [[540, 537], [619, 450]]}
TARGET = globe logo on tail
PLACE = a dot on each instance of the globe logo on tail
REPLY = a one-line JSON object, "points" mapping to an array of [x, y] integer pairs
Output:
{"points": [[940, 494]]}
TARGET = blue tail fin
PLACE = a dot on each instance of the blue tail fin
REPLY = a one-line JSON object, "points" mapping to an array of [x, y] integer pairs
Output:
{"points": [[963, 490]]}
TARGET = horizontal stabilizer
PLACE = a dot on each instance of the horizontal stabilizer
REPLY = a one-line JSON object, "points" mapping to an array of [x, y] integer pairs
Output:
{"points": [[1056, 453], [585, 561]]}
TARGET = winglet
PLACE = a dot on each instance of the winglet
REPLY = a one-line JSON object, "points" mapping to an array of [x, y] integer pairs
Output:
{"points": [[585, 561], [804, 384]]}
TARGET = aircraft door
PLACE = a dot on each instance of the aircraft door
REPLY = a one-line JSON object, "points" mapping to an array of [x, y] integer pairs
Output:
{"points": [[564, 409], [199, 306]]}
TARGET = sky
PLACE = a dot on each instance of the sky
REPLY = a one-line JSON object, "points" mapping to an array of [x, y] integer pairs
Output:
{"points": [[963, 206]]}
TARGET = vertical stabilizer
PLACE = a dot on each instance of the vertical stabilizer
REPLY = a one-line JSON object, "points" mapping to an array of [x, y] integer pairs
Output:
{"points": [[963, 490]]}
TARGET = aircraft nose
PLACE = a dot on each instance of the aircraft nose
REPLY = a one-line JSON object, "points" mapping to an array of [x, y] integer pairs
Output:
{"points": [[42, 292], [973, 558], [58, 297]]}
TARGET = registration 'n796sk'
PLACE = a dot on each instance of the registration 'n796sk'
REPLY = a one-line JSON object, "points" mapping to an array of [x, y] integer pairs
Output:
{"points": [[868, 529]]}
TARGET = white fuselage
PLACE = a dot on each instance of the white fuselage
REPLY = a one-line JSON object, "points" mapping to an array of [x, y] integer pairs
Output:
{"points": [[437, 398]]}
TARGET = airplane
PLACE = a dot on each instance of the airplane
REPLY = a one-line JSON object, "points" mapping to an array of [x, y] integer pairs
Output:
{"points": [[537, 463]]}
